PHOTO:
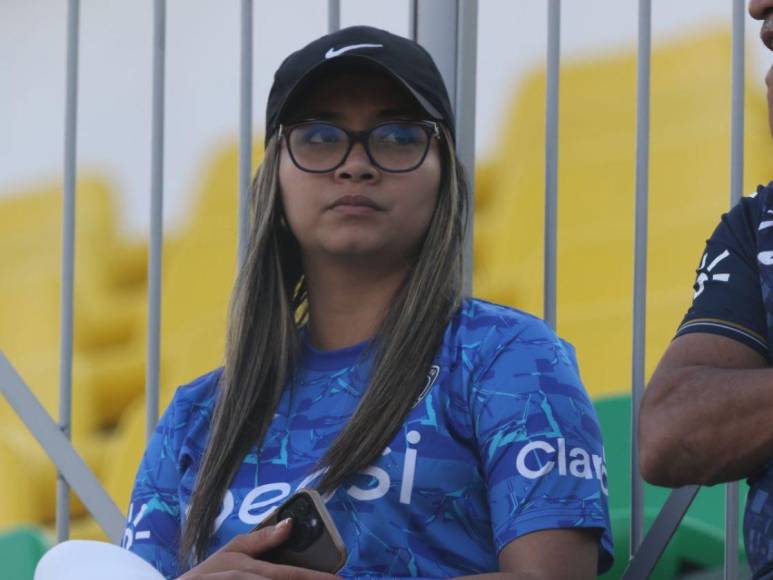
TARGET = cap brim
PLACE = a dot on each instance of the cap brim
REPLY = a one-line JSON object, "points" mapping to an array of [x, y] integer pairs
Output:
{"points": [[339, 63]]}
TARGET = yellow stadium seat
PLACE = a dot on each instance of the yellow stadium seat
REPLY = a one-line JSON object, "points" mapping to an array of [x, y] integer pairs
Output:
{"points": [[689, 189], [108, 299], [199, 270]]}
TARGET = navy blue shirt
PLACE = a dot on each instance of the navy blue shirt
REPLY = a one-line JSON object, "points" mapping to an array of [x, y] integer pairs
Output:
{"points": [[730, 295]]}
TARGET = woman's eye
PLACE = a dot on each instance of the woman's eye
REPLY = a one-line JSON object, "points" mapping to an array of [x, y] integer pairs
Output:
{"points": [[399, 135], [320, 135]]}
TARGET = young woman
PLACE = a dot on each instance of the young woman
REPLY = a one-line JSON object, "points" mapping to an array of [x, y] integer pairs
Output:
{"points": [[449, 436]]}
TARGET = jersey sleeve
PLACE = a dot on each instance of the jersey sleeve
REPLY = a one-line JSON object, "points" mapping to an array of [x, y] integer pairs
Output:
{"points": [[539, 441], [153, 523], [727, 296]]}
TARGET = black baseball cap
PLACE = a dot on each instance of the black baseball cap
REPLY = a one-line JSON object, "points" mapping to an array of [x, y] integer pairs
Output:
{"points": [[361, 46]]}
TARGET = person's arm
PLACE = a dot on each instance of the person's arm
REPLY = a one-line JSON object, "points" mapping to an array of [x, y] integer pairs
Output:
{"points": [[534, 556], [569, 554], [542, 458], [706, 414]]}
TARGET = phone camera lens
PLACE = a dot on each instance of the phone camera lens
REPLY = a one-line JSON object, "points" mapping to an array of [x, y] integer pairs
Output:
{"points": [[304, 533], [302, 506]]}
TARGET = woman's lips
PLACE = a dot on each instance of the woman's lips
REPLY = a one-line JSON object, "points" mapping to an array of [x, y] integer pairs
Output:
{"points": [[355, 204]]}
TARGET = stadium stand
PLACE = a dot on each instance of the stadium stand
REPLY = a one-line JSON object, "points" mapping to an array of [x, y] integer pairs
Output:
{"points": [[595, 277]]}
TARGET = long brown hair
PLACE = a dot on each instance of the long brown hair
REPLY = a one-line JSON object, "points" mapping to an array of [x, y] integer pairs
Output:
{"points": [[269, 306]]}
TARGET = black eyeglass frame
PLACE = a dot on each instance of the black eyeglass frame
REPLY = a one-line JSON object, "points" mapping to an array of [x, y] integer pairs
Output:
{"points": [[431, 128]]}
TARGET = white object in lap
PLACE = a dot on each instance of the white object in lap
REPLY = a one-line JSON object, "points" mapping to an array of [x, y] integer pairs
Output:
{"points": [[91, 560]]}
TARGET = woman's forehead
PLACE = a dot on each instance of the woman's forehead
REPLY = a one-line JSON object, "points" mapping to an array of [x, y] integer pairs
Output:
{"points": [[365, 89]]}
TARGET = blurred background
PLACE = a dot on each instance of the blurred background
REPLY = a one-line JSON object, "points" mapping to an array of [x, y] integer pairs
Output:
{"points": [[689, 189]]}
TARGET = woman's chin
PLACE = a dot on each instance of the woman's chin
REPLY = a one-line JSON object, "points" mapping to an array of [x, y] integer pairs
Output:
{"points": [[361, 253]]}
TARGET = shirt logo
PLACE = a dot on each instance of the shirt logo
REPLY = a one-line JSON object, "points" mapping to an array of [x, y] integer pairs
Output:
{"points": [[765, 224], [704, 273], [765, 258], [334, 52], [434, 371], [538, 458]]}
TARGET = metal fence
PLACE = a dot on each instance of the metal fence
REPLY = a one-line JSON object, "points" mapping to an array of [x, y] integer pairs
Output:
{"points": [[456, 55]]}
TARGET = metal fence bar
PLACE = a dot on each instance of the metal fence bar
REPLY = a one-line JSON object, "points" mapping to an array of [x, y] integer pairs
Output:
{"points": [[551, 160], [737, 113], [57, 446], [731, 531], [436, 30], [156, 217], [68, 259], [466, 68], [736, 191], [333, 15], [413, 10], [640, 260], [654, 544], [245, 127]]}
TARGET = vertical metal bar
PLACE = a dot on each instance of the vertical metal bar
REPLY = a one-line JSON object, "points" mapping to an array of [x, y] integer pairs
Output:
{"points": [[333, 15], [68, 259], [413, 9], [737, 113], [466, 69], [436, 27], [736, 190], [640, 260], [156, 216], [731, 531], [245, 127], [551, 160]]}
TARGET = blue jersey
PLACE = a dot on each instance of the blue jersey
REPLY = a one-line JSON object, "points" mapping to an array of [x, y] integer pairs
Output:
{"points": [[502, 442]]}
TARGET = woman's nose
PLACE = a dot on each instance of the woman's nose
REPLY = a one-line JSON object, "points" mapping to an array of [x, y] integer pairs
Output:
{"points": [[357, 166]]}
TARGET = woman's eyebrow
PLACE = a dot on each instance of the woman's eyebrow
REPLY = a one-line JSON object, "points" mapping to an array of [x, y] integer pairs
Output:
{"points": [[401, 113], [320, 115]]}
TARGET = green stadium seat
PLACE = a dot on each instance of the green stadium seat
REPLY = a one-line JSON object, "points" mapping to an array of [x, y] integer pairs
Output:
{"points": [[698, 543], [20, 550]]}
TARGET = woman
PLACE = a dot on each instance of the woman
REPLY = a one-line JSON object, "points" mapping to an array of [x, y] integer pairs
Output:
{"points": [[452, 436]]}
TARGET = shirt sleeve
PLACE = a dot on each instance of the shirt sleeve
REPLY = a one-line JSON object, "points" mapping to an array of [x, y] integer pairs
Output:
{"points": [[539, 441], [727, 296], [153, 523]]}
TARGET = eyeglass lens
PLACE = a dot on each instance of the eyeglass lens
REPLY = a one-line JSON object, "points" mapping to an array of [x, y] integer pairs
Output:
{"points": [[393, 146]]}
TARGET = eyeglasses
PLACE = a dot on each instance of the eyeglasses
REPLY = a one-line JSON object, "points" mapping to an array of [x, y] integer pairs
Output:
{"points": [[395, 147]]}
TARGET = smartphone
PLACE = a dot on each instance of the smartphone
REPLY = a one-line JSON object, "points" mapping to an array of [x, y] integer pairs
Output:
{"points": [[314, 541]]}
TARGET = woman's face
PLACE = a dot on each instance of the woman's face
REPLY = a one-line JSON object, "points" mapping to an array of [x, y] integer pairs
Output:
{"points": [[359, 212]]}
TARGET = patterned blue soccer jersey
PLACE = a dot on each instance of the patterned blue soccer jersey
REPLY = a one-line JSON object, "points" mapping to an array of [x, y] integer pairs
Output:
{"points": [[502, 442]]}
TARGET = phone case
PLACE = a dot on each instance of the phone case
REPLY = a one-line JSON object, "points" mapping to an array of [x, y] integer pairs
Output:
{"points": [[326, 553]]}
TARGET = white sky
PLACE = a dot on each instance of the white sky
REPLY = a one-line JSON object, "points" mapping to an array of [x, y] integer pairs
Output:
{"points": [[203, 75]]}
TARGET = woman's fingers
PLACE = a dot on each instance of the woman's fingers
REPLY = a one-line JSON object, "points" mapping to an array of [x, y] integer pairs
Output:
{"points": [[281, 572], [241, 551], [240, 565], [239, 559], [262, 540], [231, 575]]}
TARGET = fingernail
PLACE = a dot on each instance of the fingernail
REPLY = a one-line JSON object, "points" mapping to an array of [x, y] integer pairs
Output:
{"points": [[283, 524]]}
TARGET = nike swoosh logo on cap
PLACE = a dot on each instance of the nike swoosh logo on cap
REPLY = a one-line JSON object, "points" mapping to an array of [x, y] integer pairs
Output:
{"points": [[765, 258], [334, 52]]}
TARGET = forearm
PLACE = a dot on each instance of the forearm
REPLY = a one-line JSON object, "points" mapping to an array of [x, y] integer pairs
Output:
{"points": [[700, 424], [502, 576]]}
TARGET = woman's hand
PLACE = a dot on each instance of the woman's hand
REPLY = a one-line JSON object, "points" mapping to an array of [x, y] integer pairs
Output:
{"points": [[237, 560]]}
